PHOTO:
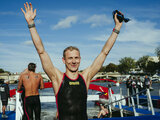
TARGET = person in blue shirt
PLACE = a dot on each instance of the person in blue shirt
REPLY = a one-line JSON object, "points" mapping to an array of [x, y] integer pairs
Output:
{"points": [[147, 82]]}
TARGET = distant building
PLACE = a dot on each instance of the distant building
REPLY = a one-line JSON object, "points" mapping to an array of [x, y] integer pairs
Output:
{"points": [[136, 71], [153, 59], [14, 77], [107, 75], [4, 76]]}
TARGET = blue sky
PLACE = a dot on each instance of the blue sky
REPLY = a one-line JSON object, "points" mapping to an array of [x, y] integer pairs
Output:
{"points": [[86, 24]]}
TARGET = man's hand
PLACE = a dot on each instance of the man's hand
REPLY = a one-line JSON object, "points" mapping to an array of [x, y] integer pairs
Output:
{"points": [[29, 14], [118, 25]]}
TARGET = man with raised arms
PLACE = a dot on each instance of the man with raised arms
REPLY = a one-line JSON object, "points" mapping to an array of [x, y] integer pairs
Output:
{"points": [[70, 87]]}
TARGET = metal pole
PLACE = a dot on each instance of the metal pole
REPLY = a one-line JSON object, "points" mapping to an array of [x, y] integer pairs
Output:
{"points": [[0, 101], [137, 96], [121, 94], [120, 107], [110, 100], [19, 110], [133, 106], [129, 103], [150, 101]]}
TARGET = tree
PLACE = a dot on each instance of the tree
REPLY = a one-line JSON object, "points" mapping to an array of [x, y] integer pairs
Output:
{"points": [[126, 64], [103, 68], [1, 70], [111, 67], [151, 67], [157, 51], [142, 62]]}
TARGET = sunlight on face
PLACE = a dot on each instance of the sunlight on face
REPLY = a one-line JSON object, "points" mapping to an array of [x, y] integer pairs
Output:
{"points": [[72, 60]]}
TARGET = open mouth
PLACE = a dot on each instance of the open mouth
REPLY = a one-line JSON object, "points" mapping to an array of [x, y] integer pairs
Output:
{"points": [[73, 65]]}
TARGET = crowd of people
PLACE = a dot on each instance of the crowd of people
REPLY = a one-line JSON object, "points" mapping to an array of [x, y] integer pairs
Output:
{"points": [[136, 82]]}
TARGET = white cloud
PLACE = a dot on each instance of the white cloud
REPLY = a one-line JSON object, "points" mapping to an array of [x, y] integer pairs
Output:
{"points": [[15, 57], [99, 38], [136, 39], [29, 42], [98, 20], [12, 33], [8, 13], [65, 23], [38, 21], [136, 31], [140, 31]]}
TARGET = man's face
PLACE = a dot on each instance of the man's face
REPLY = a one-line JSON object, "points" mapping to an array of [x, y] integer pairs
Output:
{"points": [[72, 60]]}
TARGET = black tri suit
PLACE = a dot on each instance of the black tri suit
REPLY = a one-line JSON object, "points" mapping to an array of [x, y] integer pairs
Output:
{"points": [[72, 99]]}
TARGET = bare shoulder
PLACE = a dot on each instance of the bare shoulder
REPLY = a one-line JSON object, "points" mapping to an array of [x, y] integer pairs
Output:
{"points": [[55, 76], [38, 74], [85, 73], [24, 75]]}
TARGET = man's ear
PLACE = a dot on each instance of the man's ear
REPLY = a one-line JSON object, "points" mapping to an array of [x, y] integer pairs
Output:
{"points": [[63, 59]]}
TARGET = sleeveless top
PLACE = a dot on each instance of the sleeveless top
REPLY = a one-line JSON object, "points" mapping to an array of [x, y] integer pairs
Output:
{"points": [[72, 98]]}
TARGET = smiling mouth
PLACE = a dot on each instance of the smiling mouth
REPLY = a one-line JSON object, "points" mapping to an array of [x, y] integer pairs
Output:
{"points": [[73, 65]]}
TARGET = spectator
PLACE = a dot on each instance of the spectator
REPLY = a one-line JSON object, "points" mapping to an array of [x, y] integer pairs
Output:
{"points": [[4, 97]]}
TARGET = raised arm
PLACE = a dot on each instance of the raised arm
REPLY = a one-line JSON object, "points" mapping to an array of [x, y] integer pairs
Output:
{"points": [[98, 62], [48, 67]]}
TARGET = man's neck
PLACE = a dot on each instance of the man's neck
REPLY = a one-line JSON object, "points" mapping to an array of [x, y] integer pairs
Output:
{"points": [[72, 75], [31, 72]]}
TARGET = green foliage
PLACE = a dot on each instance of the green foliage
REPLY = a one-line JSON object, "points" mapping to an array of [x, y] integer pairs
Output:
{"points": [[151, 67], [157, 51], [126, 64], [111, 67], [1, 70], [103, 68], [142, 62]]}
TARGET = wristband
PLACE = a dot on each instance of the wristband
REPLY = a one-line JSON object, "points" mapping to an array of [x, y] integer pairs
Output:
{"points": [[116, 31], [31, 25]]}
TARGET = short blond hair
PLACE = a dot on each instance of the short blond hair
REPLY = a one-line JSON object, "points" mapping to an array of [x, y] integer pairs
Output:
{"points": [[71, 48]]}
